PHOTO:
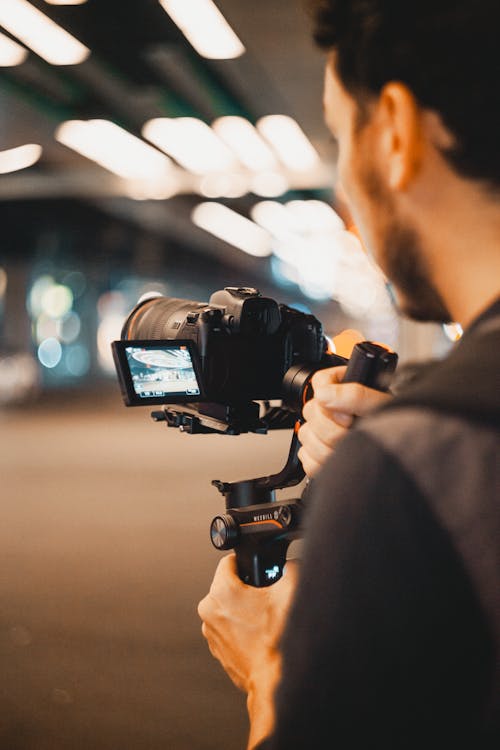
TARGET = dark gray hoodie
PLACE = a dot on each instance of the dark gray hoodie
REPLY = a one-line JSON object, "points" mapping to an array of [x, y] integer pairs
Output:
{"points": [[394, 636]]}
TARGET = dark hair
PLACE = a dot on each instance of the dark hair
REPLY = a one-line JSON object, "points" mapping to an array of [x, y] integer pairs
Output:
{"points": [[446, 51]]}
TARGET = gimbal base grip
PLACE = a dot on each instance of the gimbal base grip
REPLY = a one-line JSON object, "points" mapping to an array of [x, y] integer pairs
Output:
{"points": [[262, 564]]}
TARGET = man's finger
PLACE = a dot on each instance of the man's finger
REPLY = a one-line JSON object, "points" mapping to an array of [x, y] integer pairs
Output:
{"points": [[329, 376], [314, 445], [324, 425], [311, 467], [203, 609], [350, 398]]}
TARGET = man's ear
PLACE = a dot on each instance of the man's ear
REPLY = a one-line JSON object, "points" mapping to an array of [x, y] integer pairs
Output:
{"points": [[399, 117]]}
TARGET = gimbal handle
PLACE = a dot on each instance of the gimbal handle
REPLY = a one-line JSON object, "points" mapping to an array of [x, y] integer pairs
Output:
{"points": [[258, 526]]}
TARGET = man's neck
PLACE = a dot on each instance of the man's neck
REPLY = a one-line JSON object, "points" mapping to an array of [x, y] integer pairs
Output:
{"points": [[463, 242], [474, 312]]}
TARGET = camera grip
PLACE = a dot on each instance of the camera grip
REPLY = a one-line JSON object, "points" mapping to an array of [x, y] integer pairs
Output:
{"points": [[372, 365]]}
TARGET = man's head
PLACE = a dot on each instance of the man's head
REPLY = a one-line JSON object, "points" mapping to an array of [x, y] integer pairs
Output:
{"points": [[411, 95]]}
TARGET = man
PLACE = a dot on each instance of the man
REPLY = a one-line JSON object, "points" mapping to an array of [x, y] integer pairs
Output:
{"points": [[388, 632]]}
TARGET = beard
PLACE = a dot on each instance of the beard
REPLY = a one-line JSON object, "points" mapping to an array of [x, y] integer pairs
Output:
{"points": [[405, 266], [403, 261]]}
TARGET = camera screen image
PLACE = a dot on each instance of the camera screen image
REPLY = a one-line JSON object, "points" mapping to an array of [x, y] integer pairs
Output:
{"points": [[161, 372]]}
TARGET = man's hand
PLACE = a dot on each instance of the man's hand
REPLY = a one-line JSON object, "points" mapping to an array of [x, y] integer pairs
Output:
{"points": [[243, 627], [330, 413]]}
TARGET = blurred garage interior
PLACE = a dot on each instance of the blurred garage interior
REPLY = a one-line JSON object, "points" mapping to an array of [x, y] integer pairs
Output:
{"points": [[143, 150]]}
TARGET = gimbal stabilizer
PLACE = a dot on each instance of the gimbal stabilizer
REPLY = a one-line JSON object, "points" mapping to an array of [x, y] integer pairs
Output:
{"points": [[257, 525]]}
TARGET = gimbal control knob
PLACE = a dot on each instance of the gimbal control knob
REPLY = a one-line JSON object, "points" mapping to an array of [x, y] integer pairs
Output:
{"points": [[224, 532]]}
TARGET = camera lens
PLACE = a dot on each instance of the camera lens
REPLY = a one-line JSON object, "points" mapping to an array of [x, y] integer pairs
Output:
{"points": [[158, 318]]}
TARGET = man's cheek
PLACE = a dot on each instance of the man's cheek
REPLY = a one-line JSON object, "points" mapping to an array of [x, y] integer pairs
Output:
{"points": [[345, 181]]}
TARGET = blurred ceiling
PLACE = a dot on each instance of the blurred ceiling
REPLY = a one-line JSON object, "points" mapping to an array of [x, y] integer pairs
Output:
{"points": [[141, 67]]}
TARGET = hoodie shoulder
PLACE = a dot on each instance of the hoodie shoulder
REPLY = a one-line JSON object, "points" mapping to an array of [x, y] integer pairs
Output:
{"points": [[466, 383]]}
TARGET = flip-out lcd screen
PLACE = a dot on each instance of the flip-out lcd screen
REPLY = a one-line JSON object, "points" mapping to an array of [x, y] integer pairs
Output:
{"points": [[157, 372]]}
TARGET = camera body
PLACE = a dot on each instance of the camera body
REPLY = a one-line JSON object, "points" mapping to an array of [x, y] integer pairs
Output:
{"points": [[238, 349]]}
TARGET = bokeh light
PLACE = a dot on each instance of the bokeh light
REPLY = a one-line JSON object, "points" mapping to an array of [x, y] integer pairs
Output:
{"points": [[112, 309], [50, 352], [56, 300], [45, 328], [77, 360], [40, 286], [453, 331], [19, 378], [3, 282], [68, 328]]}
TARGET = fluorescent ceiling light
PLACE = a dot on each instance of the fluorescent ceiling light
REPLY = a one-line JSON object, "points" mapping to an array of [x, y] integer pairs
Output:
{"points": [[41, 34], [114, 149], [152, 190], [274, 217], [223, 185], [301, 218], [191, 142], [233, 228], [19, 158], [315, 217], [269, 184], [311, 259], [11, 53], [204, 27], [241, 136], [311, 249], [289, 141]]}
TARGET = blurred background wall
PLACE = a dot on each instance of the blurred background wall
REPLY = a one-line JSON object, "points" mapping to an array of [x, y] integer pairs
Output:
{"points": [[149, 145]]}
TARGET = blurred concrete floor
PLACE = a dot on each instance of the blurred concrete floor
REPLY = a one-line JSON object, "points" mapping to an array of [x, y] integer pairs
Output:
{"points": [[104, 555]]}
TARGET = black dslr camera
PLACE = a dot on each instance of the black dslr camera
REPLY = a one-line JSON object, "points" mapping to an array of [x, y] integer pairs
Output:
{"points": [[215, 368]]}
